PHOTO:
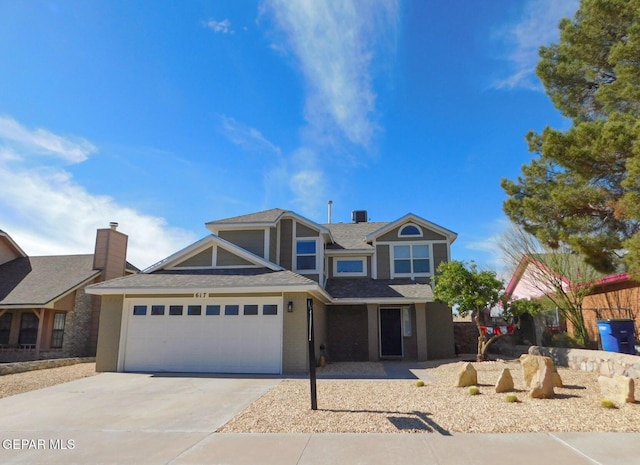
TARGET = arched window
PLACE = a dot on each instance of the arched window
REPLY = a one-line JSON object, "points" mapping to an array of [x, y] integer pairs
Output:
{"points": [[410, 230]]}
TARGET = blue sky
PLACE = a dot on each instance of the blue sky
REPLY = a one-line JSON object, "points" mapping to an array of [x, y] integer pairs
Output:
{"points": [[164, 115]]}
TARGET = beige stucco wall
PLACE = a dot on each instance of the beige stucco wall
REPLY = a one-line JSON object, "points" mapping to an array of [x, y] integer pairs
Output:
{"points": [[295, 343], [109, 336]]}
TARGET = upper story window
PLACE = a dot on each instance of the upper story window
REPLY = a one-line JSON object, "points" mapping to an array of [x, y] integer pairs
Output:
{"points": [[410, 230], [306, 255], [411, 260], [349, 267]]}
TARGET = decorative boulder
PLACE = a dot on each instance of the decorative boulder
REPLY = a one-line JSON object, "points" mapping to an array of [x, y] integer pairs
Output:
{"points": [[534, 350], [505, 382], [618, 389], [467, 376], [531, 364], [542, 384]]}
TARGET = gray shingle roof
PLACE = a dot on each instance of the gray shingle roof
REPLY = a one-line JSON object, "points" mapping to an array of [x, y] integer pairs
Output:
{"points": [[206, 279], [266, 216], [39, 280], [366, 288], [352, 235]]}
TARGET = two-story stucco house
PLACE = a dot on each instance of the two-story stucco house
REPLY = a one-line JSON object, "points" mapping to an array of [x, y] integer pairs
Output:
{"points": [[236, 300]]}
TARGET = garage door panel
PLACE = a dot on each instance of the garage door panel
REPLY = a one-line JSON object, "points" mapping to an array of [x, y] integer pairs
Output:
{"points": [[204, 343]]}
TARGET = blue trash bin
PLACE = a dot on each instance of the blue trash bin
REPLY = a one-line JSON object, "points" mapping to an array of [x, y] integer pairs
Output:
{"points": [[618, 335]]}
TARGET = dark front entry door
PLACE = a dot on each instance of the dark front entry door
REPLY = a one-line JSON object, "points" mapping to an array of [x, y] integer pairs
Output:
{"points": [[390, 332]]}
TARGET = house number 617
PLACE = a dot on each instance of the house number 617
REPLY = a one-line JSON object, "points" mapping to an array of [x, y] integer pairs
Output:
{"points": [[200, 295]]}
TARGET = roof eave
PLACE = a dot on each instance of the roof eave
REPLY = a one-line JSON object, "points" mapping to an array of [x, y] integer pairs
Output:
{"points": [[349, 251], [193, 289], [381, 300]]}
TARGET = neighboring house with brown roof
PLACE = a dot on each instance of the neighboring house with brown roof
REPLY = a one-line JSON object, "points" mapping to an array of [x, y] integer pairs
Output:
{"points": [[44, 310], [236, 301]]}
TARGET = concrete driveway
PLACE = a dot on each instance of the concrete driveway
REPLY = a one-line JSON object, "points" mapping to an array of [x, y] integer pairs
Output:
{"points": [[121, 417]]}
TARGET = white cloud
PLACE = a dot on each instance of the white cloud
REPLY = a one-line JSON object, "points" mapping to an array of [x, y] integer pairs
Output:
{"points": [[334, 43], [46, 212], [223, 27], [246, 136], [538, 26], [488, 253], [43, 142], [307, 182]]}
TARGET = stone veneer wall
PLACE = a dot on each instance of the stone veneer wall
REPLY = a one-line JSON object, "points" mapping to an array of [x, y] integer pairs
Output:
{"points": [[598, 361]]}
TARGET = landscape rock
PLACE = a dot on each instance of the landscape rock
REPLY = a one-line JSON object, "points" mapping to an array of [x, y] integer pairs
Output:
{"points": [[531, 364], [542, 384], [505, 382], [618, 389], [467, 376], [534, 350]]}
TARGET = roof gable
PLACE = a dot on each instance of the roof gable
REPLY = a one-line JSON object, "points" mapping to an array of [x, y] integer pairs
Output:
{"points": [[9, 249], [412, 218], [207, 242]]}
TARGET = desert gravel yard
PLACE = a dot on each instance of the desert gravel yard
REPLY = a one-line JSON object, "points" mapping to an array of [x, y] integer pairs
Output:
{"points": [[37, 379], [399, 406]]}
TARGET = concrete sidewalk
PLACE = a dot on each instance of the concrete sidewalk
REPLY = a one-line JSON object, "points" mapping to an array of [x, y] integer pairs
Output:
{"points": [[133, 418], [424, 449], [155, 447]]}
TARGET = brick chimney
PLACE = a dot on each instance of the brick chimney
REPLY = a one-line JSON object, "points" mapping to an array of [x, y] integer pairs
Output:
{"points": [[110, 254]]}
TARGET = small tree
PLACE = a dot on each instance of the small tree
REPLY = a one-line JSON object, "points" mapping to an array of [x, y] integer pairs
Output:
{"points": [[560, 275], [477, 292]]}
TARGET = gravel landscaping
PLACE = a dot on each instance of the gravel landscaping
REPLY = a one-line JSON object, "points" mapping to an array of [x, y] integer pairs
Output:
{"points": [[399, 406], [31, 380]]}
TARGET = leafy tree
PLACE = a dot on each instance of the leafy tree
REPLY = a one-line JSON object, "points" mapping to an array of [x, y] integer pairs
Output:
{"points": [[583, 189], [475, 292]]}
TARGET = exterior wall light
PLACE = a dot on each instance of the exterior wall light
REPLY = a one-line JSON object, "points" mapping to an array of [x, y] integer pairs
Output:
{"points": [[290, 306]]}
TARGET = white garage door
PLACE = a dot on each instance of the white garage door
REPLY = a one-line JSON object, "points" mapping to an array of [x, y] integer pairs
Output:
{"points": [[195, 335]]}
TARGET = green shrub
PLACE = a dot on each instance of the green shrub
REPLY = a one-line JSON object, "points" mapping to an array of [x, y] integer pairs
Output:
{"points": [[606, 403], [511, 398], [474, 391], [419, 383], [562, 340]]}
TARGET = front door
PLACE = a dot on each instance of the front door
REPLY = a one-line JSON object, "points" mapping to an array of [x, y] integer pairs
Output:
{"points": [[390, 332]]}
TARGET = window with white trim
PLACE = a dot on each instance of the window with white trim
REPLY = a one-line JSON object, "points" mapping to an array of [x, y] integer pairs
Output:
{"points": [[349, 266], [306, 255], [411, 260], [410, 230]]}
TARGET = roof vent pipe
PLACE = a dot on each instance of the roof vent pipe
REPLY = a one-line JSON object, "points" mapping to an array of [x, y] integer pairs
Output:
{"points": [[329, 205], [113, 225]]}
